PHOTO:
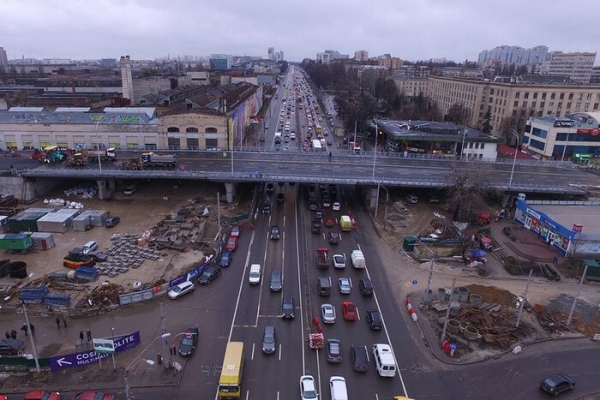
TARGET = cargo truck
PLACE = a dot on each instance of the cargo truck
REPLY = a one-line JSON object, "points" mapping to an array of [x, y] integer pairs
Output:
{"points": [[104, 154], [159, 160], [323, 257]]}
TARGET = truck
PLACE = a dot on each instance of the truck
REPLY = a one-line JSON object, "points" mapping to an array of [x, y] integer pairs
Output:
{"points": [[323, 257], [158, 160], [346, 223], [358, 259], [104, 154]]}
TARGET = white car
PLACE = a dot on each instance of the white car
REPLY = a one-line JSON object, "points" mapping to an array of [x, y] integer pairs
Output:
{"points": [[328, 312], [180, 289], [308, 389], [339, 261], [336, 206]]}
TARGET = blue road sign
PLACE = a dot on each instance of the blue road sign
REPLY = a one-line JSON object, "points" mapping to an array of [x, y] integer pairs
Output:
{"points": [[414, 282], [122, 343]]}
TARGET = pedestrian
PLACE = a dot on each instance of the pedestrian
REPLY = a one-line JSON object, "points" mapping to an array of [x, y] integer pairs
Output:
{"points": [[13, 334], [329, 156], [24, 329], [32, 329], [173, 350], [555, 260], [57, 322], [81, 336], [64, 320], [548, 241], [89, 335], [7, 334]]}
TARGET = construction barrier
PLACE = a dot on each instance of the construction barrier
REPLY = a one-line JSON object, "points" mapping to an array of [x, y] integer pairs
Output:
{"points": [[411, 310]]}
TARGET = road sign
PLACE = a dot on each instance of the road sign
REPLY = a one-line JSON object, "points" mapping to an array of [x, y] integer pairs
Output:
{"points": [[104, 346], [414, 282], [122, 343]]}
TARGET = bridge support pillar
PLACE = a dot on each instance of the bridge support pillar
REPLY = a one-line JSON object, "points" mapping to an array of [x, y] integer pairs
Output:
{"points": [[229, 192], [372, 197], [102, 194]]}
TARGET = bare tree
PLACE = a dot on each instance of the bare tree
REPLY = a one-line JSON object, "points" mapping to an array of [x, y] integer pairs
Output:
{"points": [[469, 189]]}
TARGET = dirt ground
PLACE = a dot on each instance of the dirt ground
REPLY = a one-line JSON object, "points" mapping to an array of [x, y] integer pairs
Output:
{"points": [[153, 202]]}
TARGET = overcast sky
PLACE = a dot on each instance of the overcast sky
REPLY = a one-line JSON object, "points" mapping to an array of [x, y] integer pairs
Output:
{"points": [[408, 29]]}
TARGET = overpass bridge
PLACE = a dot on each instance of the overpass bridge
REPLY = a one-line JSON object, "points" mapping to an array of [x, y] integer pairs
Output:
{"points": [[367, 169]]}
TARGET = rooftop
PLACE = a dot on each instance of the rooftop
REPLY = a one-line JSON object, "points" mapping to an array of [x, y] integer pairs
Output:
{"points": [[567, 216], [432, 130]]}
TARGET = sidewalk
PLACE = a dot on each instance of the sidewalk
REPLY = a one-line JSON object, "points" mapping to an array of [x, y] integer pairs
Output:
{"points": [[52, 341]]}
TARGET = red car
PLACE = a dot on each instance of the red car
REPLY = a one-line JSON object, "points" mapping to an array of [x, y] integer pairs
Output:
{"points": [[42, 395], [92, 395], [349, 311], [232, 243], [329, 222]]}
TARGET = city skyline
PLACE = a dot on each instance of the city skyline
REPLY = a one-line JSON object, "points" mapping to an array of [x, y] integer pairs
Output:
{"points": [[414, 30]]}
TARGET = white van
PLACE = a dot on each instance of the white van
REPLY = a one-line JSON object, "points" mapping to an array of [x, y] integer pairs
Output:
{"points": [[384, 360], [90, 246], [254, 277], [358, 259], [337, 387]]}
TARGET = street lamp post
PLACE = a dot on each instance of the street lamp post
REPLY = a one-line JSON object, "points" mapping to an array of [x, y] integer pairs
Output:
{"points": [[516, 134], [375, 154], [565, 148], [462, 146], [98, 147], [31, 338]]}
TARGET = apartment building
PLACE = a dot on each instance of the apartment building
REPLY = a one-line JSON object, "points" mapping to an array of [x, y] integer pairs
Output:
{"points": [[411, 86], [511, 104], [361, 55], [577, 66]]}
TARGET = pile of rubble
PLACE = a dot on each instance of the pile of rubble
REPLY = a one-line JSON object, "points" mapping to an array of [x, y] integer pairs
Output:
{"points": [[85, 190], [182, 231], [63, 203]]}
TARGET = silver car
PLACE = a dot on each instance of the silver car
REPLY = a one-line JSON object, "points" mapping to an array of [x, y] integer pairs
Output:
{"points": [[269, 340], [344, 285]]}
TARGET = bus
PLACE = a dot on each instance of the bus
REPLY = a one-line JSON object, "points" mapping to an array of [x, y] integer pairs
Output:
{"points": [[230, 383], [316, 144]]}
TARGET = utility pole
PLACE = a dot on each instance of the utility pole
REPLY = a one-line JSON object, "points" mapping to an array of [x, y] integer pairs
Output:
{"points": [[577, 296], [447, 313], [163, 332], [524, 298], [31, 339]]}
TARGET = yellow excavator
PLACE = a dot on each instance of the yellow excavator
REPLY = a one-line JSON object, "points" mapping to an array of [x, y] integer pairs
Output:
{"points": [[77, 159]]}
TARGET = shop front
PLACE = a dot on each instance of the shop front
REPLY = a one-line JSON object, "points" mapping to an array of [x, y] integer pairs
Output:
{"points": [[547, 229]]}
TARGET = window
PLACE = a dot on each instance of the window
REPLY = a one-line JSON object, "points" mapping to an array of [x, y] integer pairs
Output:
{"points": [[191, 130], [570, 96], [516, 104], [210, 130], [562, 96], [535, 95], [539, 133], [542, 104], [544, 96], [482, 146], [552, 96], [518, 95], [526, 95], [569, 105], [172, 129]]}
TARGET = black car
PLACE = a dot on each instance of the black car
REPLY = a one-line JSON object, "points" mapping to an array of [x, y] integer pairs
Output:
{"points": [[334, 351], [270, 187], [11, 346], [359, 358], [269, 344], [111, 222], [287, 307], [274, 235], [319, 214], [188, 342], [366, 287], [276, 281], [374, 320], [557, 383], [280, 198], [225, 259], [209, 275], [316, 226], [266, 208]]}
